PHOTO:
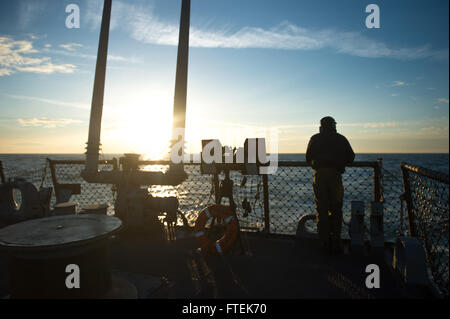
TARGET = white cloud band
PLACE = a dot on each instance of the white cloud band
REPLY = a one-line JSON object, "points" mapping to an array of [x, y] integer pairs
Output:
{"points": [[144, 26], [14, 57], [46, 122]]}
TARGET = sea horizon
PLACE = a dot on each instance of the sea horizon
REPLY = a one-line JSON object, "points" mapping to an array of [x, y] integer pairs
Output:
{"points": [[362, 153], [390, 161]]}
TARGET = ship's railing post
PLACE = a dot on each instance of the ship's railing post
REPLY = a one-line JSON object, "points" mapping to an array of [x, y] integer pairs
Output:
{"points": [[266, 203], [377, 181], [51, 165], [408, 199]]}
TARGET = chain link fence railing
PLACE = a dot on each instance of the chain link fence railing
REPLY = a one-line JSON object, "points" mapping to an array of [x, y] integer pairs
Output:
{"points": [[427, 201], [395, 217], [61, 174], [289, 193]]}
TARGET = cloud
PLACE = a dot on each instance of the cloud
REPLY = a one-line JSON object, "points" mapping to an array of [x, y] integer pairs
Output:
{"points": [[71, 46], [111, 57], [15, 57], [376, 125], [46, 122], [399, 83], [47, 68], [4, 72], [382, 124], [441, 131], [443, 100], [144, 26], [49, 101], [361, 124], [70, 49]]}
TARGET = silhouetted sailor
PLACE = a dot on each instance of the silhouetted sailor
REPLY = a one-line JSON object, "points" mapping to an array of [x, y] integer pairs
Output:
{"points": [[328, 153]]}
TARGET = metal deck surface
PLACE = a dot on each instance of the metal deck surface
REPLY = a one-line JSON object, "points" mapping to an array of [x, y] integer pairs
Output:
{"points": [[269, 267]]}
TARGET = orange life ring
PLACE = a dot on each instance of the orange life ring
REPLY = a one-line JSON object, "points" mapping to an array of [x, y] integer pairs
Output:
{"points": [[226, 242]]}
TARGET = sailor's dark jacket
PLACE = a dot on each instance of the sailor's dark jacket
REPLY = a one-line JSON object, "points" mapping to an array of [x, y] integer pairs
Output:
{"points": [[329, 149]]}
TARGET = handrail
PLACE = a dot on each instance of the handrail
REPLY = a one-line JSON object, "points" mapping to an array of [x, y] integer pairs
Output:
{"points": [[372, 164], [438, 176], [375, 165]]}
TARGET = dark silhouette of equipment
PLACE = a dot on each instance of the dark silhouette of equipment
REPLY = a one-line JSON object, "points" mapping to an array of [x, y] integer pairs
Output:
{"points": [[133, 204], [33, 203]]}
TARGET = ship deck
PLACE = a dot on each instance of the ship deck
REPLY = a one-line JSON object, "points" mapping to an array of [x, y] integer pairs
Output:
{"points": [[268, 267]]}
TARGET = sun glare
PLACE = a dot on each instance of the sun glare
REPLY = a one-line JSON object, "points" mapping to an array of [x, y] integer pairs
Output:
{"points": [[142, 125]]}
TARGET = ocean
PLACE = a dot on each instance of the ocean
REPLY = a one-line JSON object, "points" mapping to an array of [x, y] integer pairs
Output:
{"points": [[21, 164]]}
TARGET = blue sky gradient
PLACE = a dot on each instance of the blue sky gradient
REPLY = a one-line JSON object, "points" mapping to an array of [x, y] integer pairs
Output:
{"points": [[254, 65]]}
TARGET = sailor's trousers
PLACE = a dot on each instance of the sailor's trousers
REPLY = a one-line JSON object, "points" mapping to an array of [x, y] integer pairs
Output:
{"points": [[328, 197]]}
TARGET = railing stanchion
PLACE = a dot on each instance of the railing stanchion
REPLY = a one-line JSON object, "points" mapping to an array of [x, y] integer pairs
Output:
{"points": [[54, 178], [408, 199], [377, 182], [266, 203]]}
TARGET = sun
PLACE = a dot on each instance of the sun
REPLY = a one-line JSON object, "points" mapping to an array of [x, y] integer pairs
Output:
{"points": [[141, 124]]}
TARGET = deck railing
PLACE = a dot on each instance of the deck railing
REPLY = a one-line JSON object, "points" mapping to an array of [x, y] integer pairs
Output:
{"points": [[427, 202], [276, 201]]}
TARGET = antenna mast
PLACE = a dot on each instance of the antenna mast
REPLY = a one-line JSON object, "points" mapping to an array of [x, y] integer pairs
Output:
{"points": [[95, 123], [179, 105]]}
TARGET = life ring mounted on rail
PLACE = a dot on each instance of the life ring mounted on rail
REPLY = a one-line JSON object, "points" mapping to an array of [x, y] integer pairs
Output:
{"points": [[231, 232]]}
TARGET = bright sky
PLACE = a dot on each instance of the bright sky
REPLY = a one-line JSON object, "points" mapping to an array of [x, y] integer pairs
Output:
{"points": [[255, 65]]}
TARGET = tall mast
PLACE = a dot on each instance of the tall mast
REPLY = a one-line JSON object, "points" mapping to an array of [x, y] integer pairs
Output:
{"points": [[179, 107], [95, 123]]}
